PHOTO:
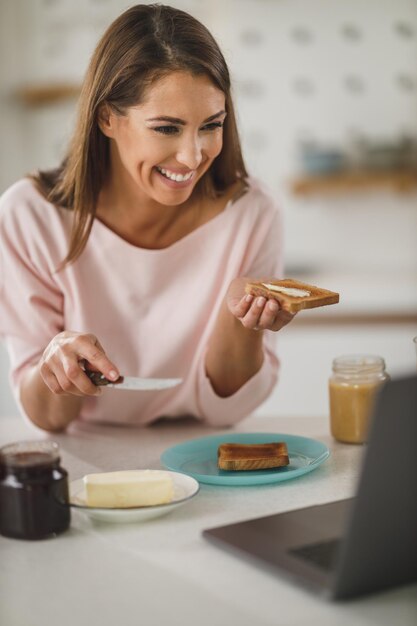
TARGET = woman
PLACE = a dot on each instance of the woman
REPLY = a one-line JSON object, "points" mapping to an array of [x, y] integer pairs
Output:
{"points": [[131, 257]]}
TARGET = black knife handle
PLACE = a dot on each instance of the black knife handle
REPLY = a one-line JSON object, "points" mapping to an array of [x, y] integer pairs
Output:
{"points": [[98, 379]]}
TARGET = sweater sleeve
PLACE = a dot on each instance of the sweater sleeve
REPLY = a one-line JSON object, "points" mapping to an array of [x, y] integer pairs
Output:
{"points": [[31, 305], [262, 257]]}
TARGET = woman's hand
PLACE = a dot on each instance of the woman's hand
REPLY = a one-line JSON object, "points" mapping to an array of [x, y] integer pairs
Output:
{"points": [[60, 365], [255, 313]]}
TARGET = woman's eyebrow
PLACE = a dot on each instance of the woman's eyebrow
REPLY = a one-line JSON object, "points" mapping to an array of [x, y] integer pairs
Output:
{"points": [[177, 120]]}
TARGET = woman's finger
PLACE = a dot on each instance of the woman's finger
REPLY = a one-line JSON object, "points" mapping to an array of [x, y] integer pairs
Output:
{"points": [[269, 313], [67, 387], [282, 319], [89, 348], [81, 384], [50, 380], [252, 317], [242, 306]]}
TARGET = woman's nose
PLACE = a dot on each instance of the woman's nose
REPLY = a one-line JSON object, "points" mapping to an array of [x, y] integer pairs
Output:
{"points": [[190, 152]]}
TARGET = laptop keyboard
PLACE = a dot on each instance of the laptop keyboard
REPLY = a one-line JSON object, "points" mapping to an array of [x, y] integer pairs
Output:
{"points": [[321, 554]]}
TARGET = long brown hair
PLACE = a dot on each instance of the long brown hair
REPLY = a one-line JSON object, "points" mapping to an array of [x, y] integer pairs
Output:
{"points": [[143, 44]]}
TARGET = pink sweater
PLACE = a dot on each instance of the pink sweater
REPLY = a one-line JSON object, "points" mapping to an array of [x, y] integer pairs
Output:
{"points": [[152, 310]]}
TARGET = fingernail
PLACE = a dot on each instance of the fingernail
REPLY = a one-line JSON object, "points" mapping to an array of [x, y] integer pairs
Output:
{"points": [[249, 298], [113, 375], [272, 305], [260, 301]]}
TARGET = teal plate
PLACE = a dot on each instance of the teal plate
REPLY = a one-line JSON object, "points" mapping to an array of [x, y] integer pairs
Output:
{"points": [[198, 458]]}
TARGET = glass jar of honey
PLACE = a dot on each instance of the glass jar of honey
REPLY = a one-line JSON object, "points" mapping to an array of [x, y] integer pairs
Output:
{"points": [[352, 391], [34, 502]]}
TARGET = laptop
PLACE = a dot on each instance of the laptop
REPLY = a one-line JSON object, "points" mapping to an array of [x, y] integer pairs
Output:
{"points": [[357, 546]]}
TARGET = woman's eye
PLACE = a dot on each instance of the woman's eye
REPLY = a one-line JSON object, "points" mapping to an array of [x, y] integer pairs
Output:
{"points": [[166, 130], [213, 126], [173, 130]]}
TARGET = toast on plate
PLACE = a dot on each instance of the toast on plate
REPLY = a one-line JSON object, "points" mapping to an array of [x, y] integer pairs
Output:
{"points": [[238, 456]]}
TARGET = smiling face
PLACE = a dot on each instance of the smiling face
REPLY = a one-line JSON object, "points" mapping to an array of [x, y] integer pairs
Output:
{"points": [[161, 148]]}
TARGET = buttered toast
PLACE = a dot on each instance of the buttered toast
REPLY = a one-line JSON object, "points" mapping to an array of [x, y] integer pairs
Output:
{"points": [[239, 456], [293, 295]]}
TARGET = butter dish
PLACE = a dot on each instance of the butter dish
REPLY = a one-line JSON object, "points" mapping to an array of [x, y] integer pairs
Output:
{"points": [[184, 488]]}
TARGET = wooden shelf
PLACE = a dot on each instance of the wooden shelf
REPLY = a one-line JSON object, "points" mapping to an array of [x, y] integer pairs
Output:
{"points": [[402, 181], [39, 95]]}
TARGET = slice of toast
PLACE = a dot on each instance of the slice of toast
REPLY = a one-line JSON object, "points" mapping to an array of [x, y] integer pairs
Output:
{"points": [[294, 296], [239, 456]]}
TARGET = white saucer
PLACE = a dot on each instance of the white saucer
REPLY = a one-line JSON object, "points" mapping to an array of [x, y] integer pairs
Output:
{"points": [[185, 488]]}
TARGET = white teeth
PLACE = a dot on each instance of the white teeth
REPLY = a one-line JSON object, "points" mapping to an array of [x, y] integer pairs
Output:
{"points": [[179, 178]]}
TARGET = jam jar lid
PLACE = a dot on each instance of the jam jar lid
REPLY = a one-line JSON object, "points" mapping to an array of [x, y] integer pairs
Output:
{"points": [[29, 454]]}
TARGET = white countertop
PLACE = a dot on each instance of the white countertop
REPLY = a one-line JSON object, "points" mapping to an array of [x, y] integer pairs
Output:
{"points": [[163, 571]]}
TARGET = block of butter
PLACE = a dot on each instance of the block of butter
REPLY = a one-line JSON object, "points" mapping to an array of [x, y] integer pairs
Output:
{"points": [[126, 489]]}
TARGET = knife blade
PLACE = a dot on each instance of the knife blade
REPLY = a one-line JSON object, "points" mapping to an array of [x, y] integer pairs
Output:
{"points": [[132, 382]]}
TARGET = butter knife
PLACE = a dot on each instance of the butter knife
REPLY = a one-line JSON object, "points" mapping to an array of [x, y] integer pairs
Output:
{"points": [[132, 383]]}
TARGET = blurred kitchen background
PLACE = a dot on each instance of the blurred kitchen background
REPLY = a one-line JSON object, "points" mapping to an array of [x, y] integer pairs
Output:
{"points": [[326, 93]]}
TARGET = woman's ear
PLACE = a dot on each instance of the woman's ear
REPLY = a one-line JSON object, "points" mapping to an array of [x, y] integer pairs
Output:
{"points": [[106, 120]]}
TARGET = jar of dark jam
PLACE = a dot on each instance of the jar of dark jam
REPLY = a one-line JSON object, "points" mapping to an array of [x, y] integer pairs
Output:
{"points": [[34, 502]]}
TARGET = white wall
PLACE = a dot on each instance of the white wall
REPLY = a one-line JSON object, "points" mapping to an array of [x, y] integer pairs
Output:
{"points": [[306, 362], [7, 404], [269, 61]]}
